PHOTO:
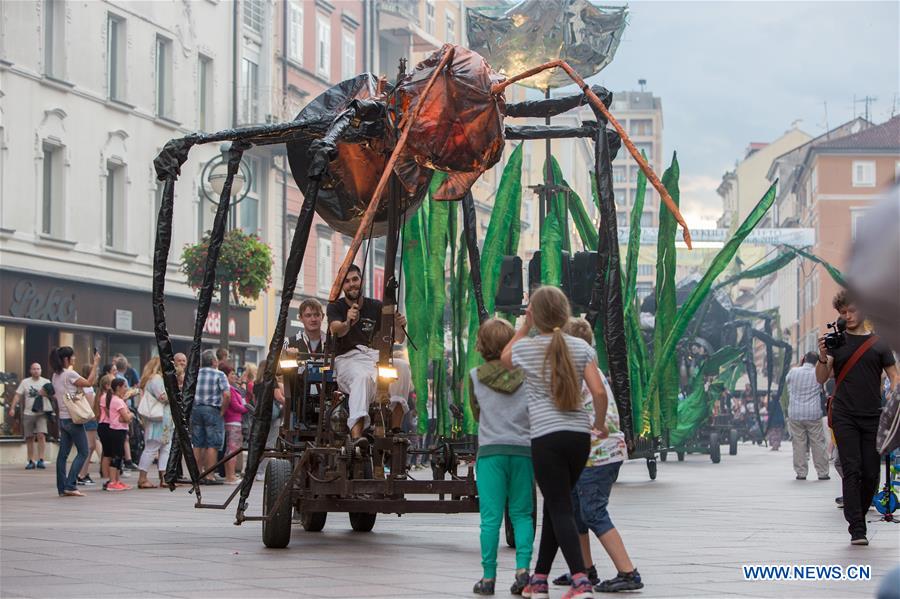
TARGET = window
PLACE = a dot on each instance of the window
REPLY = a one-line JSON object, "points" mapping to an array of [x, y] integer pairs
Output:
{"points": [[429, 17], [855, 215], [618, 194], [646, 219], [621, 218], [451, 28], [323, 266], [204, 93], [619, 174], [248, 209], [641, 127], [645, 270], [115, 205], [250, 88], [295, 31], [643, 289], [348, 55], [323, 46], [163, 77], [253, 15], [863, 173], [646, 149], [54, 41], [633, 173], [52, 209], [115, 57]]}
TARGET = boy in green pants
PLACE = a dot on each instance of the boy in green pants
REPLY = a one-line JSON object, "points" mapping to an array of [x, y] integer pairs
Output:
{"points": [[503, 465]]}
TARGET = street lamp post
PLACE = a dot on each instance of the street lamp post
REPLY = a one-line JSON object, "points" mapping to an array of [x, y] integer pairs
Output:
{"points": [[214, 173]]}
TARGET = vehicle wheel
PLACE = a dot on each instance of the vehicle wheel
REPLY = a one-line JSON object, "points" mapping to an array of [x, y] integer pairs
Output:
{"points": [[680, 456], [276, 531], [651, 468], [313, 521], [361, 521], [663, 456], [732, 442], [715, 452]]}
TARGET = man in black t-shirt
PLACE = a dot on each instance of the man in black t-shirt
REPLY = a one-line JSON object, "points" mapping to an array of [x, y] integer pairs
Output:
{"points": [[855, 410], [354, 321]]}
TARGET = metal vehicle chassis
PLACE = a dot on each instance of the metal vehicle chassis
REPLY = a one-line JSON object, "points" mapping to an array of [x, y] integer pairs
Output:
{"points": [[316, 468]]}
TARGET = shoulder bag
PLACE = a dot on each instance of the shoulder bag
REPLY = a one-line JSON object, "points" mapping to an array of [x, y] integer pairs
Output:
{"points": [[80, 410], [150, 408], [845, 371]]}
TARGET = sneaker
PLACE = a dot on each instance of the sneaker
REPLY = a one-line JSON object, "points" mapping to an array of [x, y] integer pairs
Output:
{"points": [[859, 540], [840, 502], [125, 473], [581, 588], [484, 587], [565, 580], [129, 465], [79, 481], [519, 585], [105, 485], [118, 486], [826, 477], [624, 581], [801, 477], [87, 480], [29, 465], [40, 465], [537, 588]]}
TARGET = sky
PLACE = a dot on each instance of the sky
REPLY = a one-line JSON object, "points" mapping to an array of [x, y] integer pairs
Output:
{"points": [[731, 73]]}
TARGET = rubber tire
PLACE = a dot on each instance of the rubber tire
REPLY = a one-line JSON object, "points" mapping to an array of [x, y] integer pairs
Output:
{"points": [[313, 521], [651, 468], [715, 452], [680, 456], [362, 521], [276, 532], [732, 442], [663, 456]]}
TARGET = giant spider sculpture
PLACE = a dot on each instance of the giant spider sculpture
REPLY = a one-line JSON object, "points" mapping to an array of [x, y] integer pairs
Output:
{"points": [[364, 153]]}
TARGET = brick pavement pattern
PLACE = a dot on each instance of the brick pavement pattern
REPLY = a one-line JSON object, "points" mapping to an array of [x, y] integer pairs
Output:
{"points": [[688, 532]]}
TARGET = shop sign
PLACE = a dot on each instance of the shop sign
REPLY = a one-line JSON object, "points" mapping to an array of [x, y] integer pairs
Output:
{"points": [[123, 320], [213, 324], [53, 305]]}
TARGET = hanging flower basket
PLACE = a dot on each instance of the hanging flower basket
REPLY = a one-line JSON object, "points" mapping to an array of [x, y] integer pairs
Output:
{"points": [[245, 263]]}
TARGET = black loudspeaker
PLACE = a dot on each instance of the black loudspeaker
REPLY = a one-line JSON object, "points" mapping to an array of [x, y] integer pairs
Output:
{"points": [[534, 273], [584, 271], [509, 291]]}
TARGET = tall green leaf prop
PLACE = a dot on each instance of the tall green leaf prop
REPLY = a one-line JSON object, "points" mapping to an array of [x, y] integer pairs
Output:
{"points": [[666, 393], [558, 200], [415, 271], [438, 225], [459, 298], [586, 229], [504, 217], [638, 357], [835, 273], [695, 407], [761, 270], [699, 293]]}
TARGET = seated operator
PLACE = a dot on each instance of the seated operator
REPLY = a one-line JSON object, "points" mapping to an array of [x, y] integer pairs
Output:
{"points": [[309, 339], [353, 321]]}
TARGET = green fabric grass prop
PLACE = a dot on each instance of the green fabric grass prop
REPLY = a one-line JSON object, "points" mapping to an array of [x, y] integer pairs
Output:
{"points": [[694, 409], [835, 273], [414, 264]]}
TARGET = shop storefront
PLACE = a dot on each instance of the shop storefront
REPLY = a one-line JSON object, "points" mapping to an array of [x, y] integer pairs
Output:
{"points": [[39, 312]]}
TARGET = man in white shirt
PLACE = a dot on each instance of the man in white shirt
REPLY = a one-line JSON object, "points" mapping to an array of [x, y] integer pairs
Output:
{"points": [[805, 418], [34, 424]]}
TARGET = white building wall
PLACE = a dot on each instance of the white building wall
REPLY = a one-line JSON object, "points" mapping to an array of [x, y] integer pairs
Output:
{"points": [[72, 109]]}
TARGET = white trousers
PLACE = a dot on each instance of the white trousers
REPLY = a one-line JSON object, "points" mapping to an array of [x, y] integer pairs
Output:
{"points": [[356, 372], [152, 449]]}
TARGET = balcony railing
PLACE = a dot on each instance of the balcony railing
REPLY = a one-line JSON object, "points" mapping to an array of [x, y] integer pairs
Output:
{"points": [[408, 9]]}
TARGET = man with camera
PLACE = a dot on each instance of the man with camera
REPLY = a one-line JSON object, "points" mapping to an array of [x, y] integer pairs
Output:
{"points": [[857, 359]]}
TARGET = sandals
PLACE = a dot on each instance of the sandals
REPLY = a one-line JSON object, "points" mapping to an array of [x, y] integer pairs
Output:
{"points": [[147, 485]]}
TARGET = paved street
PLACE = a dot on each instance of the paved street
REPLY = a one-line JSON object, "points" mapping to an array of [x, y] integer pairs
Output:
{"points": [[689, 532]]}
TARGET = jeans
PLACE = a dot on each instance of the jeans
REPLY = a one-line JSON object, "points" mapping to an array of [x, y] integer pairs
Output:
{"points": [[591, 498], [558, 460], [70, 434], [860, 462]]}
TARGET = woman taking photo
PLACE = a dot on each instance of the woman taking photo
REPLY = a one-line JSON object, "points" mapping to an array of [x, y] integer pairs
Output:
{"points": [[555, 365], [66, 380], [157, 433]]}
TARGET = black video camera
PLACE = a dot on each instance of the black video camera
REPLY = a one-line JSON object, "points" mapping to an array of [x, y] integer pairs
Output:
{"points": [[837, 338]]}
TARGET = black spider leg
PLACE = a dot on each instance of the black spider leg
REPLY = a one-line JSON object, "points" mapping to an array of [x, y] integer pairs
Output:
{"points": [[470, 231], [606, 295], [554, 106], [322, 152], [168, 167]]}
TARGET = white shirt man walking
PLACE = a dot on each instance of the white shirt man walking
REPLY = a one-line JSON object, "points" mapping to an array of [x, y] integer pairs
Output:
{"points": [[34, 424], [805, 419]]}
